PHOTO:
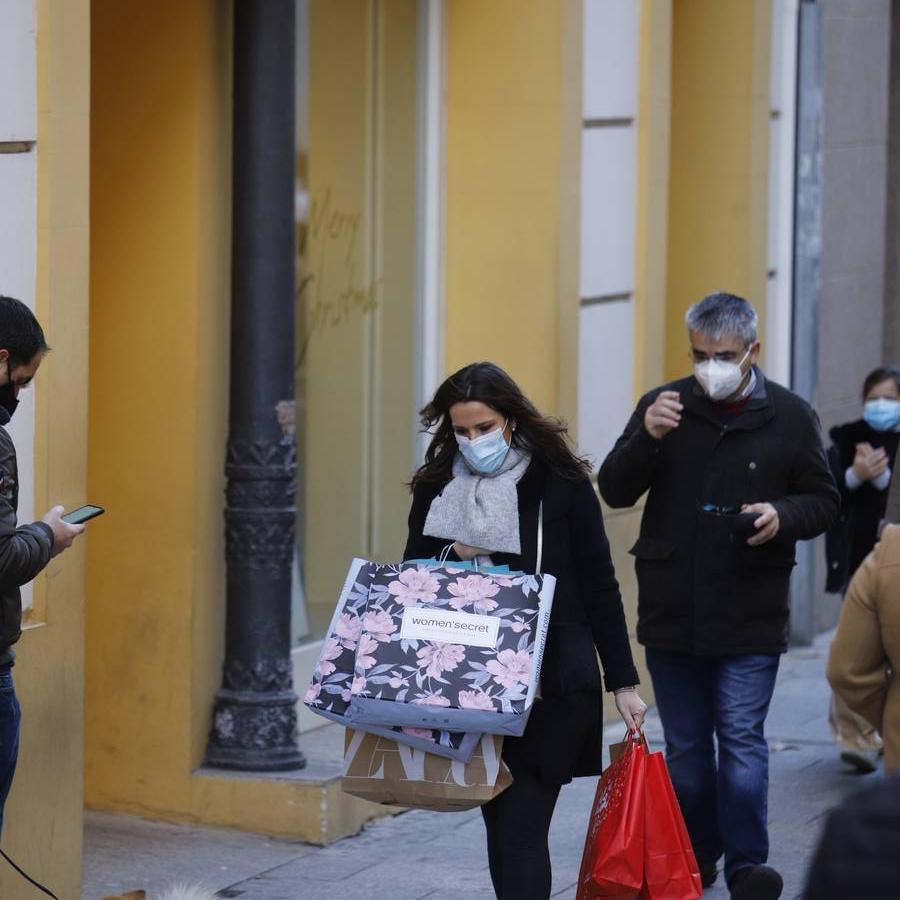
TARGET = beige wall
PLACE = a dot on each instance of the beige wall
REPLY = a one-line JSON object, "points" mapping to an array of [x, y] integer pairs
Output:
{"points": [[622, 527], [43, 817]]}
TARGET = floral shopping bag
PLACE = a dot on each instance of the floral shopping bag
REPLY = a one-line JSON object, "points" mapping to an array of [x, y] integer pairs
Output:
{"points": [[449, 648], [330, 689], [612, 865]]}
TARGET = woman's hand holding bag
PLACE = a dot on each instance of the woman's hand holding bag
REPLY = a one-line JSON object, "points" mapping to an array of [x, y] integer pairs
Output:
{"points": [[631, 708]]}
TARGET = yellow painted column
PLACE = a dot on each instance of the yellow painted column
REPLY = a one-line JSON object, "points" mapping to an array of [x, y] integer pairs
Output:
{"points": [[568, 298], [653, 125], [509, 202], [718, 185], [42, 828], [160, 205]]}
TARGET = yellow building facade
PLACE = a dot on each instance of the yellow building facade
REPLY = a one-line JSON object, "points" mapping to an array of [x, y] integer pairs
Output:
{"points": [[518, 181], [44, 177]]}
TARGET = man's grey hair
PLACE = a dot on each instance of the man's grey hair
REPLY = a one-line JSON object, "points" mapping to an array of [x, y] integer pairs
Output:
{"points": [[720, 315]]}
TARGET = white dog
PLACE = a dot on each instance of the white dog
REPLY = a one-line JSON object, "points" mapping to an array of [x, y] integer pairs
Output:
{"points": [[186, 892], [176, 892]]}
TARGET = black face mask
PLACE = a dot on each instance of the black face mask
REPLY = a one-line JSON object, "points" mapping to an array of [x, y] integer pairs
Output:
{"points": [[8, 393]]}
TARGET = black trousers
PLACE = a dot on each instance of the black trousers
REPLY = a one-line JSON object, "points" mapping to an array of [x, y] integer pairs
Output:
{"points": [[518, 824]]}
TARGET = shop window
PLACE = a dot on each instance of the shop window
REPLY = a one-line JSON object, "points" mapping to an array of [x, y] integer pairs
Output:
{"points": [[358, 314]]}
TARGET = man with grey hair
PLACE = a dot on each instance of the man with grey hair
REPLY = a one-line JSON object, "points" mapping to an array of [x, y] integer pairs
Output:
{"points": [[735, 474]]}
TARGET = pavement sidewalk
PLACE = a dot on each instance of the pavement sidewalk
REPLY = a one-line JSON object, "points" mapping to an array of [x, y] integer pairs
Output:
{"points": [[441, 856]]}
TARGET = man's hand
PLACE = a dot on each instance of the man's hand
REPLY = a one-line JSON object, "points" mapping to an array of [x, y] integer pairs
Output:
{"points": [[63, 532], [663, 415], [766, 525], [869, 463]]}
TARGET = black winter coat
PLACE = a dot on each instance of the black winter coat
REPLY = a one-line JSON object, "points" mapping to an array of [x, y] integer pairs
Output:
{"points": [[702, 588], [853, 535], [563, 738], [23, 551], [857, 854]]}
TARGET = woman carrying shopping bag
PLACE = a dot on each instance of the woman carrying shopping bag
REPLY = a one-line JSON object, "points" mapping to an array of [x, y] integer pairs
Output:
{"points": [[495, 463]]}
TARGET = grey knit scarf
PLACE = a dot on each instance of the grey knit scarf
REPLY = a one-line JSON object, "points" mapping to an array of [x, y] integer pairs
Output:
{"points": [[480, 510]]}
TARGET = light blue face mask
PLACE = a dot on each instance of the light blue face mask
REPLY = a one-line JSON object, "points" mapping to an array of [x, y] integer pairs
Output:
{"points": [[486, 453], [882, 414]]}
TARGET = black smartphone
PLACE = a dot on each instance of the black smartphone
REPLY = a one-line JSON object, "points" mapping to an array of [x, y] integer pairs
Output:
{"points": [[743, 526], [83, 514]]}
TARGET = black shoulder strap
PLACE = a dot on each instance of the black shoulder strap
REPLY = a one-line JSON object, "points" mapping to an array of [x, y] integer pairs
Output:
{"points": [[28, 878]]}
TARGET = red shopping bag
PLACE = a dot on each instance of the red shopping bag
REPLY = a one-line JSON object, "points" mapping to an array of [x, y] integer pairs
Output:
{"points": [[670, 867], [613, 862]]}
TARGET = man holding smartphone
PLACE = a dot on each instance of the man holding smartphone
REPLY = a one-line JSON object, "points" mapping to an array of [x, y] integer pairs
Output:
{"points": [[735, 474], [25, 550]]}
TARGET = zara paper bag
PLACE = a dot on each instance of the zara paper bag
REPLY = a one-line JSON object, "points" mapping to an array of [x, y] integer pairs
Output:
{"points": [[383, 771]]}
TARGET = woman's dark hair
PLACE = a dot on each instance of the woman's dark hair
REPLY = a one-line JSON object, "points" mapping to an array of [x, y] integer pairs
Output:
{"points": [[543, 437], [876, 376], [20, 332]]}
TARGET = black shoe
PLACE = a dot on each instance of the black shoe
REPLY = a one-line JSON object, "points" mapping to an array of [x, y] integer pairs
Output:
{"points": [[756, 883], [709, 872], [863, 761]]}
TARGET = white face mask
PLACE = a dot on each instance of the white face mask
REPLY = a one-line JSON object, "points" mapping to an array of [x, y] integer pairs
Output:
{"points": [[718, 378]]}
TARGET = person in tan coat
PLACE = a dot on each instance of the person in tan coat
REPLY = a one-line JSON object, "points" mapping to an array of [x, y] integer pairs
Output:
{"points": [[866, 648]]}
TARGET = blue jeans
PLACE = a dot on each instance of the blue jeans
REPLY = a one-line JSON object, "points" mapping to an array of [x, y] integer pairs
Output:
{"points": [[724, 800], [10, 716]]}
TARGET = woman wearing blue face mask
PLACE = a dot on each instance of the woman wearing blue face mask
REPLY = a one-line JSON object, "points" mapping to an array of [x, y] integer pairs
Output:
{"points": [[493, 462], [861, 456]]}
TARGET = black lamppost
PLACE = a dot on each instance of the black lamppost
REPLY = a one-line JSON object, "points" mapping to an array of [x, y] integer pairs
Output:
{"points": [[254, 719]]}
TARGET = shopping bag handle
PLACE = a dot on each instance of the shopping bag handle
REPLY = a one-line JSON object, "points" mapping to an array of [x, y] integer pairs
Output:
{"points": [[445, 553], [540, 539], [632, 739], [635, 737]]}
